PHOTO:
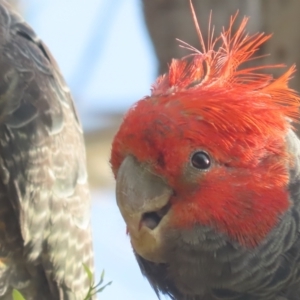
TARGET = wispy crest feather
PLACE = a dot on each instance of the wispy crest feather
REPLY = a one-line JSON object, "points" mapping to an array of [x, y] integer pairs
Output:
{"points": [[221, 70]]}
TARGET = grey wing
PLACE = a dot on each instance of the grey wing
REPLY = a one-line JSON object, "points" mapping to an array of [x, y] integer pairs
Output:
{"points": [[45, 234]]}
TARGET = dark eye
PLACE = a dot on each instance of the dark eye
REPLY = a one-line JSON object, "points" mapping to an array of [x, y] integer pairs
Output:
{"points": [[201, 160]]}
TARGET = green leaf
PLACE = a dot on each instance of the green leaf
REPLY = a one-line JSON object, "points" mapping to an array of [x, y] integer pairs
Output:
{"points": [[95, 288], [102, 276], [17, 295], [89, 274], [102, 288]]}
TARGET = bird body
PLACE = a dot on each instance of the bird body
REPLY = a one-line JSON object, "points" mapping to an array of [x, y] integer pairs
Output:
{"points": [[208, 176], [45, 235]]}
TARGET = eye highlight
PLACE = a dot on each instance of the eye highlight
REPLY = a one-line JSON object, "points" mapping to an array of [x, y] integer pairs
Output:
{"points": [[201, 160]]}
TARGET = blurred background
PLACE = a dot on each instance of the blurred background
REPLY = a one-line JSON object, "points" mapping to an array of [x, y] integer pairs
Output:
{"points": [[110, 53]]}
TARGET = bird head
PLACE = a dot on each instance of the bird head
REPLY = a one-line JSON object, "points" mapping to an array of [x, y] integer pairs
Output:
{"points": [[207, 147]]}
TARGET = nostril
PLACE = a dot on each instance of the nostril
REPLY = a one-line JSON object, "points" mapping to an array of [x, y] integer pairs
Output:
{"points": [[153, 218], [150, 220]]}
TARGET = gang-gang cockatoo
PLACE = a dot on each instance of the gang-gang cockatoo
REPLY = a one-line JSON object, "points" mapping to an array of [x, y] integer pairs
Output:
{"points": [[208, 176]]}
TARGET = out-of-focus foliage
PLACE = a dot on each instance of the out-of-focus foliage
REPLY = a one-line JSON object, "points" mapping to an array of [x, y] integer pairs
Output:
{"points": [[95, 288]]}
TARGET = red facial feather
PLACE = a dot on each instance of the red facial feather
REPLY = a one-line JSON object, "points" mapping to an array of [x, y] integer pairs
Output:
{"points": [[240, 116]]}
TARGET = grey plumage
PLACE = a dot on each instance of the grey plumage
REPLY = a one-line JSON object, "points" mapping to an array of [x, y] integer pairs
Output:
{"points": [[45, 235]]}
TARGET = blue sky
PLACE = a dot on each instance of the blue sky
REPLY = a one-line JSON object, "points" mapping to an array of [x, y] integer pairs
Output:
{"points": [[107, 36], [121, 68]]}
